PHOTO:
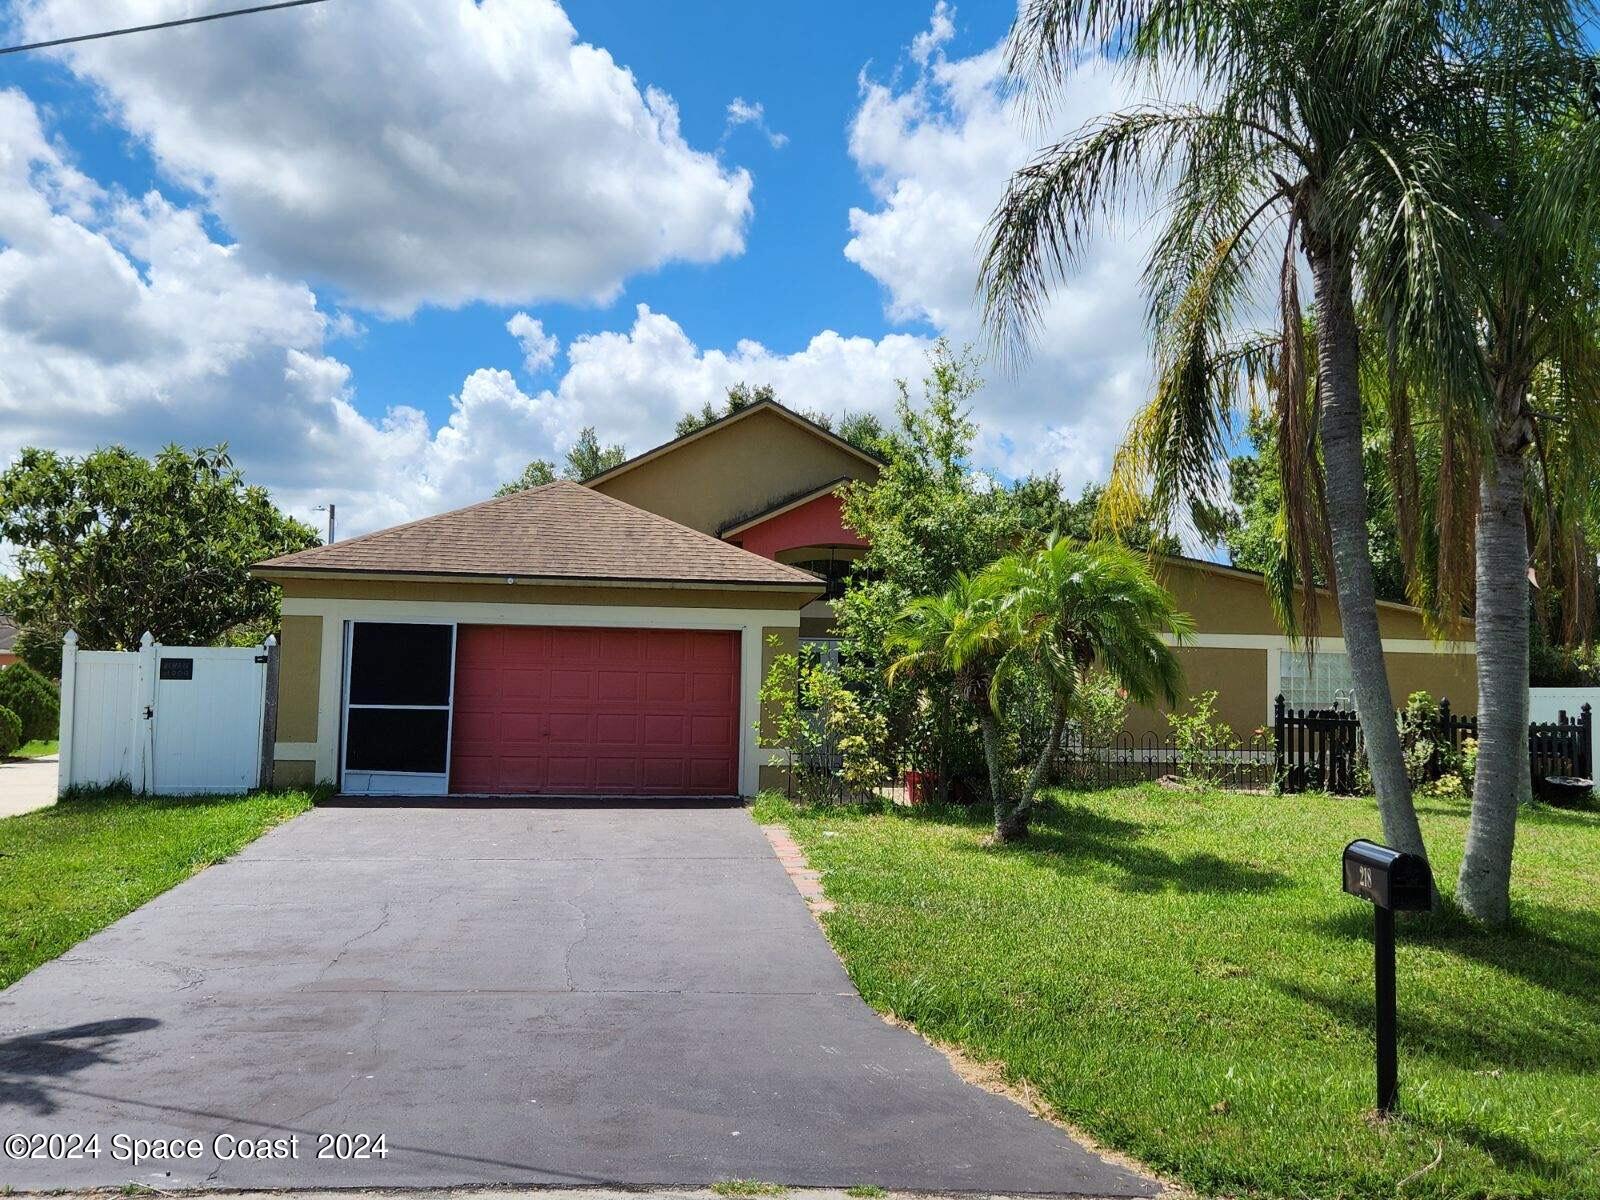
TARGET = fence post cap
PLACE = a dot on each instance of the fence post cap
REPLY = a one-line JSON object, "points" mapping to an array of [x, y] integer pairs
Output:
{"points": [[71, 638], [272, 640], [147, 639]]}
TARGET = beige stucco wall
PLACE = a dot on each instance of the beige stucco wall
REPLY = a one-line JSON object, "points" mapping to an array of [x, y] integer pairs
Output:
{"points": [[293, 772], [775, 640], [1238, 676], [1451, 677], [735, 471], [490, 591], [299, 672], [1224, 602]]}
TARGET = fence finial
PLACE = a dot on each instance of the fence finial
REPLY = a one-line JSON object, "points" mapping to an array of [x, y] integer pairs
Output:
{"points": [[71, 638], [147, 639], [272, 640]]}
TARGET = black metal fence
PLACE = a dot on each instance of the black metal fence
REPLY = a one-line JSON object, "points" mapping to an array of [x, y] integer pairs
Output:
{"points": [[1305, 750]]}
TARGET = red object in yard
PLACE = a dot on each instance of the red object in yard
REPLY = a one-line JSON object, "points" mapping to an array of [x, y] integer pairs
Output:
{"points": [[618, 712], [918, 784]]}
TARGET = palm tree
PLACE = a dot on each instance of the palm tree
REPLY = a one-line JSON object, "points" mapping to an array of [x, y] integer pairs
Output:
{"points": [[959, 636], [1311, 142], [1527, 130], [1066, 608]]}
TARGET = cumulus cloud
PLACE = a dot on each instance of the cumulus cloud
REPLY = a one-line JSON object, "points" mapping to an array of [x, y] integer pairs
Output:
{"points": [[745, 112], [538, 347], [417, 151], [936, 152]]}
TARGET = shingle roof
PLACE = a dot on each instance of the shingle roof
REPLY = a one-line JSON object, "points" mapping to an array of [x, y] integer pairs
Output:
{"points": [[561, 530]]}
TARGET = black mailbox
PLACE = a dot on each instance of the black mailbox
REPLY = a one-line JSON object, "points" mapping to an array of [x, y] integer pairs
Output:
{"points": [[1390, 879]]}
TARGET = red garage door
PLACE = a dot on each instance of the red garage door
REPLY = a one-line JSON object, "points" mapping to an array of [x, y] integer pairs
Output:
{"points": [[621, 712]]}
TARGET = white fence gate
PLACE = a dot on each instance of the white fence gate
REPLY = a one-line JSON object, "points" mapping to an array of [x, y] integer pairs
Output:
{"points": [[168, 719]]}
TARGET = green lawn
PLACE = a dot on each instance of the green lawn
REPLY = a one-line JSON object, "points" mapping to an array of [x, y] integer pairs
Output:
{"points": [[36, 749], [1180, 975], [71, 869]]}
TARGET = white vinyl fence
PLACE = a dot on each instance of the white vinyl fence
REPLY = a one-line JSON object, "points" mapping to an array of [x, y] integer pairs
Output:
{"points": [[1548, 703], [167, 719]]}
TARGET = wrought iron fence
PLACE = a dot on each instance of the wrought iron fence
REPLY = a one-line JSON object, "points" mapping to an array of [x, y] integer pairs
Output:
{"points": [[1236, 764]]}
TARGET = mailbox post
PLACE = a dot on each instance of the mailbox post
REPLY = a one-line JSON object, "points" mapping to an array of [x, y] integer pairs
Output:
{"points": [[1392, 882]]}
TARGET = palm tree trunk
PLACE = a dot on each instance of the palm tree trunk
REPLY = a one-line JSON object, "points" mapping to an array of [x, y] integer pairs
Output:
{"points": [[1339, 400], [1483, 888], [1005, 828], [1052, 748]]}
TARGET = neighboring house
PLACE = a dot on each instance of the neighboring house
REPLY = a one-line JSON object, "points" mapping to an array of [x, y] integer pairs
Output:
{"points": [[610, 638], [8, 641]]}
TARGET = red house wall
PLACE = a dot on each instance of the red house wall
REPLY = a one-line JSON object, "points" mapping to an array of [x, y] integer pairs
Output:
{"points": [[818, 522]]}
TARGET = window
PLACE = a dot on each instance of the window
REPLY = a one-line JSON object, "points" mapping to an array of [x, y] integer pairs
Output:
{"points": [[1315, 681], [397, 720], [834, 570]]}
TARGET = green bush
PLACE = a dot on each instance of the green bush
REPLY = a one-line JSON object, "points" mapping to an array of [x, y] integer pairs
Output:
{"points": [[10, 732], [33, 699]]}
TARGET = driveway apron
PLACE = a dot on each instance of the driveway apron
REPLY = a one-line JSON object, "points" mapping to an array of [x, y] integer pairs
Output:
{"points": [[542, 995]]}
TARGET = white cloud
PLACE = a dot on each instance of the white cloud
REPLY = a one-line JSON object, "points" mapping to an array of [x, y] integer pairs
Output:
{"points": [[937, 153], [745, 112], [538, 347], [417, 151], [941, 28]]}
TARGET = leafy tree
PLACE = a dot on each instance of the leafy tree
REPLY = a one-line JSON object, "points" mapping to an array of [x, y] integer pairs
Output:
{"points": [[927, 518], [740, 397], [1315, 138], [536, 474], [1044, 510], [112, 544], [10, 731], [588, 457], [34, 700]]}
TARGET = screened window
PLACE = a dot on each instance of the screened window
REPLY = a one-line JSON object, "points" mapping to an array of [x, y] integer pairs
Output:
{"points": [[398, 716], [1315, 681]]}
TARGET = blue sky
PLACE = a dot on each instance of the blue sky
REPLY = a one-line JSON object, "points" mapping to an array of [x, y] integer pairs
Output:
{"points": [[306, 232]]}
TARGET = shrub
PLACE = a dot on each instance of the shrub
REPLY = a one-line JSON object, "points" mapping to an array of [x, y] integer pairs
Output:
{"points": [[33, 699], [1099, 708], [10, 732], [835, 743], [1199, 736]]}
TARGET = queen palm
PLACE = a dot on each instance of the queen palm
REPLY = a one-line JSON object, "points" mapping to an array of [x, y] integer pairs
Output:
{"points": [[1311, 143], [1526, 136]]}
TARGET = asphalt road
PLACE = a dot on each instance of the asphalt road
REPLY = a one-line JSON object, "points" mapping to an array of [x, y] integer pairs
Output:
{"points": [[557, 996]]}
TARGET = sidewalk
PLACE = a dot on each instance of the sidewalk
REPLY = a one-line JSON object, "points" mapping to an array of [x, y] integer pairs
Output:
{"points": [[27, 784]]}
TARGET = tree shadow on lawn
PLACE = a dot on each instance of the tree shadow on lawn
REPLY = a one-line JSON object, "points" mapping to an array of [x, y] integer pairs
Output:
{"points": [[1480, 1038], [1508, 1151], [1064, 837]]}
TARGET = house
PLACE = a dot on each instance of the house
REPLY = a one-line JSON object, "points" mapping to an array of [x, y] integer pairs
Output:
{"points": [[8, 641], [1239, 652], [610, 637]]}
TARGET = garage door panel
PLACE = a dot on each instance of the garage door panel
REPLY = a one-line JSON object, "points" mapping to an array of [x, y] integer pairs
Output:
{"points": [[596, 711]]}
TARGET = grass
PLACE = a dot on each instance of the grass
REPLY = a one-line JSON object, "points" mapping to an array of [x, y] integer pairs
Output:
{"points": [[1179, 975], [747, 1187], [72, 869], [37, 749]]}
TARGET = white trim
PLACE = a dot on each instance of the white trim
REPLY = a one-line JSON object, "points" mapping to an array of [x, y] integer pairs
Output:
{"points": [[480, 579], [336, 612], [1335, 645]]}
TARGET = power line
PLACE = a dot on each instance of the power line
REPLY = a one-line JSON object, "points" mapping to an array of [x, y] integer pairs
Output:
{"points": [[109, 33]]}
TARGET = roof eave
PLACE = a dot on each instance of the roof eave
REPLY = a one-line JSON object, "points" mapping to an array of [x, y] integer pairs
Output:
{"points": [[271, 573]]}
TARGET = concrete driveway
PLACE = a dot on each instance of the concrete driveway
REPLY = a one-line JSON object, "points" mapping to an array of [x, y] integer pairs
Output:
{"points": [[558, 996], [27, 784]]}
